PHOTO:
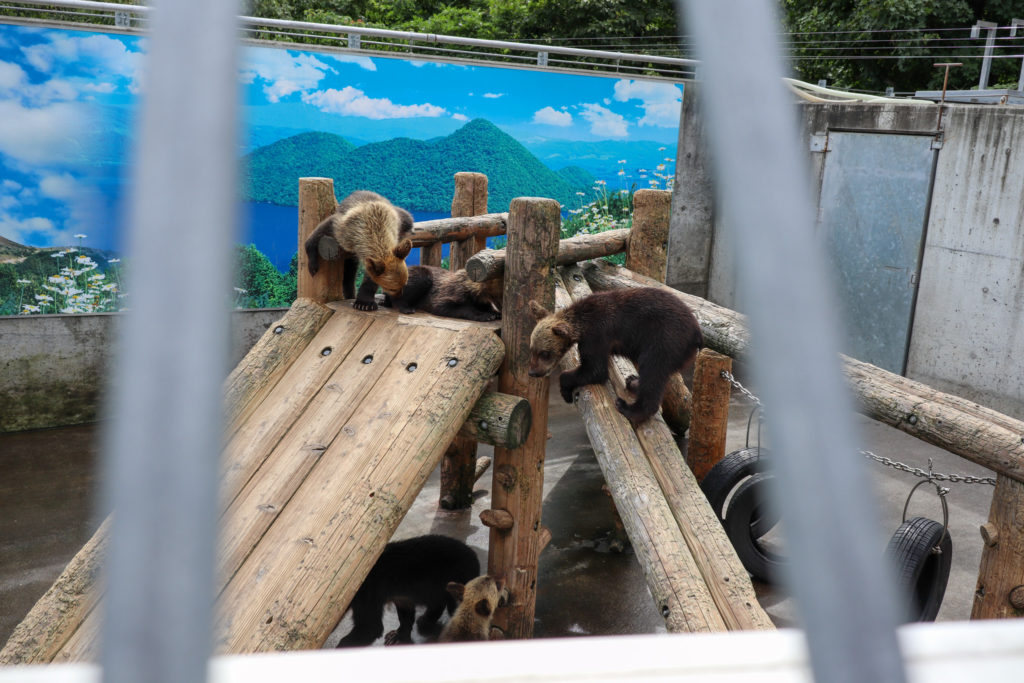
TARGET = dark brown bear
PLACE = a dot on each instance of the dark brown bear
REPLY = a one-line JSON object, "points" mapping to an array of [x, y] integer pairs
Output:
{"points": [[412, 572], [364, 226], [649, 326], [452, 294]]}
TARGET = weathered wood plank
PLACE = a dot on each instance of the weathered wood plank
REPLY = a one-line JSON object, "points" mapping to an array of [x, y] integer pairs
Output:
{"points": [[490, 263], [293, 588], [1000, 588], [647, 247], [458, 228], [267, 361], [499, 420]]}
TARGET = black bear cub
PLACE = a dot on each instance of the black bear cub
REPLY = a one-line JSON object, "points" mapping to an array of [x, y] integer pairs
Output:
{"points": [[408, 573], [649, 326], [448, 293]]}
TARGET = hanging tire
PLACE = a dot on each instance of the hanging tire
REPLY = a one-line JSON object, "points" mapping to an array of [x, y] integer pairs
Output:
{"points": [[921, 574], [721, 479], [745, 518]]}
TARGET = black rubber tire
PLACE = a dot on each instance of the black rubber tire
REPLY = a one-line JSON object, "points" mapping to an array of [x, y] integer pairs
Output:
{"points": [[721, 479], [921, 575], [742, 519]]}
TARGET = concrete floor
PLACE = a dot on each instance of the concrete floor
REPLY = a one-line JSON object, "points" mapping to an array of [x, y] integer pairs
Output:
{"points": [[48, 484]]}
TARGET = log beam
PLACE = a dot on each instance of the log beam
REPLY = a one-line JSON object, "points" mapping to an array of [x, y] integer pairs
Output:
{"points": [[490, 263], [710, 412], [317, 202], [499, 420]]}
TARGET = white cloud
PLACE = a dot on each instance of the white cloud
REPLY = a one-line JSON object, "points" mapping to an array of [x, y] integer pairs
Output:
{"points": [[660, 101], [493, 95], [604, 122], [19, 230], [63, 186], [460, 117], [281, 72], [12, 77], [552, 117], [362, 62], [109, 55], [45, 134], [11, 185], [351, 101]]}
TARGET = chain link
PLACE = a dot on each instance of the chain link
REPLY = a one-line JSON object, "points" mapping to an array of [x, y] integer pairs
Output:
{"points": [[888, 462]]}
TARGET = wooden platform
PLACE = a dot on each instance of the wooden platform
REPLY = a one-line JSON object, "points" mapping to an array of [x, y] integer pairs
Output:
{"points": [[322, 462]]}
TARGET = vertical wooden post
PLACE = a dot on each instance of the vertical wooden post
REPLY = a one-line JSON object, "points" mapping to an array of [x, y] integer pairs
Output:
{"points": [[1000, 591], [710, 412], [470, 199], [430, 255], [317, 202], [533, 231], [647, 254], [458, 467]]}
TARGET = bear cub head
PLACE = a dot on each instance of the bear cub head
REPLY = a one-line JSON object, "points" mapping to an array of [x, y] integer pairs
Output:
{"points": [[552, 338], [390, 272]]}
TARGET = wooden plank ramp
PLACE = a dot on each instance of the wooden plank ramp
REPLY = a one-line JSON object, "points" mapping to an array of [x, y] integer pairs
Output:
{"points": [[320, 465], [695, 577]]}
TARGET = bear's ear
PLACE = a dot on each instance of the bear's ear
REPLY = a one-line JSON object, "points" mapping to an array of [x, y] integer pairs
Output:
{"points": [[403, 249], [561, 330], [539, 312], [457, 590], [483, 608], [374, 267]]}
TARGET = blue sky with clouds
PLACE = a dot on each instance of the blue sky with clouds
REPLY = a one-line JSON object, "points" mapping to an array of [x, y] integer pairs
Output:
{"points": [[67, 99]]}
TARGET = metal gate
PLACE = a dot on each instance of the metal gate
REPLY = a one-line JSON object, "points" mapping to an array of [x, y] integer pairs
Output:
{"points": [[873, 209]]}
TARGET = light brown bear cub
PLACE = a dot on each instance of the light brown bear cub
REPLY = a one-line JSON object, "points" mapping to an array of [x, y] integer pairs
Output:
{"points": [[364, 226], [649, 326], [472, 619]]}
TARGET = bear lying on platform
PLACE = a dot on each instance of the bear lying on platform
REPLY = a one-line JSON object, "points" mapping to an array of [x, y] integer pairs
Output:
{"points": [[649, 326], [448, 293], [412, 572], [364, 226]]}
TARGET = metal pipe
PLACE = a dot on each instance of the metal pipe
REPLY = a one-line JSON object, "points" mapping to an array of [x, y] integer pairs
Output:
{"points": [[164, 439], [845, 596]]}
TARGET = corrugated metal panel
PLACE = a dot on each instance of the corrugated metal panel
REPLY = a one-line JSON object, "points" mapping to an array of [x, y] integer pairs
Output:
{"points": [[874, 203]]}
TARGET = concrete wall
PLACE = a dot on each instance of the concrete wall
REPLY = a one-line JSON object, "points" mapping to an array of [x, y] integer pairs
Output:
{"points": [[968, 330], [53, 367]]}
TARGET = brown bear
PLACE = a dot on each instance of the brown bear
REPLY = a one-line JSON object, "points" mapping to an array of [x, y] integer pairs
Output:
{"points": [[647, 325], [364, 226], [472, 619], [452, 294], [416, 571]]}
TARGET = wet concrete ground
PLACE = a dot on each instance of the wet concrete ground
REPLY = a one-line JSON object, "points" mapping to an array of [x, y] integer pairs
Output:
{"points": [[48, 483]]}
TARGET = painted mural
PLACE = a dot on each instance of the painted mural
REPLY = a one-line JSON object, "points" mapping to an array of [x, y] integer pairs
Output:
{"points": [[401, 127]]}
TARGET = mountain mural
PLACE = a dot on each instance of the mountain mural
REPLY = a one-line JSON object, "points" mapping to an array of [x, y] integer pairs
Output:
{"points": [[414, 174]]}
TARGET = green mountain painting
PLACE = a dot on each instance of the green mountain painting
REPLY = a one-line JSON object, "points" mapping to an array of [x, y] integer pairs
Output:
{"points": [[415, 174]]}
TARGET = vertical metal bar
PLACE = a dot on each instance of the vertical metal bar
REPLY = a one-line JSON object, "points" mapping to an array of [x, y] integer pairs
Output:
{"points": [[1014, 23], [845, 595], [990, 40], [164, 438]]}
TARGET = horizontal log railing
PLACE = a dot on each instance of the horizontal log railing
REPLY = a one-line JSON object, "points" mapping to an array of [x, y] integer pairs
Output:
{"points": [[425, 233]]}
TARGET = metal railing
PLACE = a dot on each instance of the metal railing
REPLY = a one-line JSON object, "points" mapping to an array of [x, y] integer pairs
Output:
{"points": [[383, 42]]}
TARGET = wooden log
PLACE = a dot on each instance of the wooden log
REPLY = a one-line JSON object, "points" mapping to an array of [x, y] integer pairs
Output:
{"points": [[56, 616], [679, 591], [710, 412], [499, 420], [270, 357], [721, 570], [1001, 572], [459, 463], [647, 248], [431, 254], [294, 586], [317, 202], [490, 263], [483, 463], [497, 519], [532, 244], [458, 228], [941, 419]]}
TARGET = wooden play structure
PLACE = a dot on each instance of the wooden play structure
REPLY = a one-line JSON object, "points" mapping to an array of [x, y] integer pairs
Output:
{"points": [[337, 417]]}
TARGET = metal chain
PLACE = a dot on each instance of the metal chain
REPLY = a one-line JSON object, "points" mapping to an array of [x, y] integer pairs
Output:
{"points": [[888, 462]]}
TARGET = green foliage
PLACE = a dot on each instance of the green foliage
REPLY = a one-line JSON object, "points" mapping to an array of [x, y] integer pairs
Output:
{"points": [[258, 284], [70, 280], [900, 60], [609, 210], [414, 174]]}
